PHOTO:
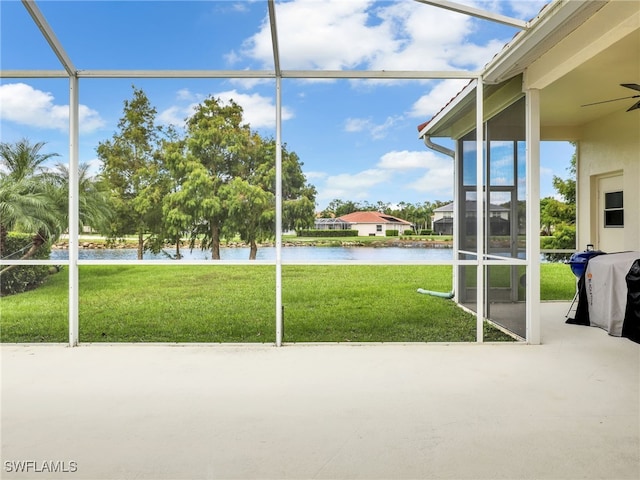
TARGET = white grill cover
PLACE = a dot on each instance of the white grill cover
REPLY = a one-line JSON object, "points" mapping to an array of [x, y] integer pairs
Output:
{"points": [[606, 289]]}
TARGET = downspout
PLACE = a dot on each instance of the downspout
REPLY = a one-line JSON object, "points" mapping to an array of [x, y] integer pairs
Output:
{"points": [[452, 154], [438, 148]]}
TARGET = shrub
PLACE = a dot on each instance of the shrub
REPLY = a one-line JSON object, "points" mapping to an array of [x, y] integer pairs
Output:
{"points": [[426, 232], [327, 233], [564, 236], [391, 233], [23, 278], [408, 232]]}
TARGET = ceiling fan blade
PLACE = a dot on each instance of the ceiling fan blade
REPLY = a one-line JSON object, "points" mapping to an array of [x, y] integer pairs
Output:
{"points": [[632, 86], [612, 100], [634, 107]]}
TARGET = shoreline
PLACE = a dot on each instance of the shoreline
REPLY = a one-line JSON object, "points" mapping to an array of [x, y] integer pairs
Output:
{"points": [[404, 243]]}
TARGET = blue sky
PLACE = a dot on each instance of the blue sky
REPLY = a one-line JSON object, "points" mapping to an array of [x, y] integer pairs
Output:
{"points": [[357, 138]]}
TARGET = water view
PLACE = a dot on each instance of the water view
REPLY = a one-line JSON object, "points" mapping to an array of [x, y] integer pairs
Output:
{"points": [[301, 253]]}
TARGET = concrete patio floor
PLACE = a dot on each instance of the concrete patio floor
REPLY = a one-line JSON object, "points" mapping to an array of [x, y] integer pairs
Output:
{"points": [[566, 409]]}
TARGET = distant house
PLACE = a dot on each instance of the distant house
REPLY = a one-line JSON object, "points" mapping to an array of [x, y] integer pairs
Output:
{"points": [[442, 219], [366, 223], [331, 224]]}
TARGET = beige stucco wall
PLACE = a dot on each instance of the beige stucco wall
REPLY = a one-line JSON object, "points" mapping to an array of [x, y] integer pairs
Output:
{"points": [[608, 145]]}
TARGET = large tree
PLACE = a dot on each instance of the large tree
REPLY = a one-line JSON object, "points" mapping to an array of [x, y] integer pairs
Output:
{"points": [[250, 197], [215, 140], [134, 173]]}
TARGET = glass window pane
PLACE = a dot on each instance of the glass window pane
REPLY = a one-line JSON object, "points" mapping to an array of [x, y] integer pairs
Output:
{"points": [[614, 218], [499, 242], [469, 159], [501, 165], [613, 200], [522, 199]]}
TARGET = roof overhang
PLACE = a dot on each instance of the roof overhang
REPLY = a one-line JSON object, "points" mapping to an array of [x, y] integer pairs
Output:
{"points": [[552, 24], [458, 117], [574, 53]]}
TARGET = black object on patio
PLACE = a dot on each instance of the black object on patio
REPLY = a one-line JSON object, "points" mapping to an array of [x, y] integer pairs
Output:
{"points": [[631, 327]]}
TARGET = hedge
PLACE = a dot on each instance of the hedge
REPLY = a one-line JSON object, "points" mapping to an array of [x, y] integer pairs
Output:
{"points": [[327, 233], [23, 278]]}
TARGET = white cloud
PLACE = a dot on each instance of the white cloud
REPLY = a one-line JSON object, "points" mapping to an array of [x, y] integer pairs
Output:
{"points": [[353, 186], [362, 34], [185, 94], [439, 96], [315, 175], [409, 160], [436, 183], [437, 179], [25, 105], [175, 115], [377, 131], [357, 124]]}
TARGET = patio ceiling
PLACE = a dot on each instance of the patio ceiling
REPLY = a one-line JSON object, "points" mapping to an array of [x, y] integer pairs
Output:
{"points": [[595, 80]]}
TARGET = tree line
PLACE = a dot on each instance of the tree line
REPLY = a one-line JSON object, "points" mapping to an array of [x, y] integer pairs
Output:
{"points": [[214, 179]]}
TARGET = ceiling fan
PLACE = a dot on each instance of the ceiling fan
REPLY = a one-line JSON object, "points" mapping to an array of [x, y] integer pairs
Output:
{"points": [[632, 86]]}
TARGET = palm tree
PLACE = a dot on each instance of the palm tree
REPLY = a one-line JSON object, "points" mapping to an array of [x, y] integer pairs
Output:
{"points": [[95, 208], [24, 201]]}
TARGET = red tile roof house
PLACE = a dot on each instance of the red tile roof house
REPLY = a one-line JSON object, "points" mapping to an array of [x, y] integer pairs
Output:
{"points": [[374, 224]]}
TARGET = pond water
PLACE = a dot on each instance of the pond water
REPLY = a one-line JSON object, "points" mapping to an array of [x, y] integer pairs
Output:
{"points": [[301, 253]]}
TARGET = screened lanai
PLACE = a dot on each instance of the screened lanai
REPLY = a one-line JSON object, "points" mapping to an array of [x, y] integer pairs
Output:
{"points": [[481, 262]]}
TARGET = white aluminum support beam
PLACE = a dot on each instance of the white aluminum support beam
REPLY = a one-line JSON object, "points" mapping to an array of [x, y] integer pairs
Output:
{"points": [[480, 287], [278, 73], [49, 36], [274, 38], [457, 182], [383, 74], [300, 74], [176, 74], [33, 74], [279, 319], [476, 12], [74, 214], [532, 126]]}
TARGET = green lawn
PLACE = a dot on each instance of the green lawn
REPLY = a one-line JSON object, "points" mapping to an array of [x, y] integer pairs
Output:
{"points": [[228, 303], [556, 282]]}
